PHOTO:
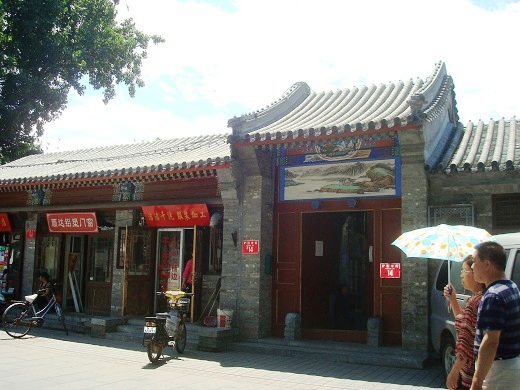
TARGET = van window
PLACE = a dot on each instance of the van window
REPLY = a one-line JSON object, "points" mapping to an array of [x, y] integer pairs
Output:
{"points": [[455, 269], [515, 273]]}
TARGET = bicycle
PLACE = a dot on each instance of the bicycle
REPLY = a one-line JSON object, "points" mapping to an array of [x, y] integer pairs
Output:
{"points": [[167, 328], [21, 316]]}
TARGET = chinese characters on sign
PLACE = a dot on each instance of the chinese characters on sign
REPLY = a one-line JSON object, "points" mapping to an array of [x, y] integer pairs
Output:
{"points": [[5, 226], [176, 215], [72, 222], [250, 247], [390, 270]]}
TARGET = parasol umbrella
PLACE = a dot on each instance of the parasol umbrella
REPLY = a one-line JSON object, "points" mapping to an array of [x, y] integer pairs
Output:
{"points": [[444, 242]]}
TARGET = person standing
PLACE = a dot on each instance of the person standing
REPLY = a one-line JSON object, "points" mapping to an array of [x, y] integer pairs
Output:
{"points": [[465, 321], [187, 276], [497, 337]]}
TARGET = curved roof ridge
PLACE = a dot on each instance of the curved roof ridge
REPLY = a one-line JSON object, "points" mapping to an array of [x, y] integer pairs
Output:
{"points": [[463, 145], [290, 99], [435, 78], [486, 147], [474, 146], [355, 97], [334, 111], [499, 144], [308, 116], [287, 121], [401, 105], [378, 98], [352, 114], [392, 92], [510, 157], [292, 114]]}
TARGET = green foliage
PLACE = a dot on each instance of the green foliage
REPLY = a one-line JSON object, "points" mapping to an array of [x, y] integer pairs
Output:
{"points": [[46, 48]]}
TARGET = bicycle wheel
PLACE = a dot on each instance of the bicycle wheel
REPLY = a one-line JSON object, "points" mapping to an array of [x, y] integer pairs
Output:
{"points": [[17, 320], [154, 351], [180, 337], [61, 317]]}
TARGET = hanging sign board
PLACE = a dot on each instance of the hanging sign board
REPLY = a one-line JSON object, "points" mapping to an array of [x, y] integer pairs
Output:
{"points": [[390, 270], [72, 222], [5, 226], [250, 247], [179, 215]]}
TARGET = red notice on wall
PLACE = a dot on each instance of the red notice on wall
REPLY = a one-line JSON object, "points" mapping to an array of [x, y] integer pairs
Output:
{"points": [[390, 270], [179, 215], [72, 222], [5, 226], [250, 247]]}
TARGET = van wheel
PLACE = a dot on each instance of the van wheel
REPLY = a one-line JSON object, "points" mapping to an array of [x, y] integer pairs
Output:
{"points": [[447, 355]]}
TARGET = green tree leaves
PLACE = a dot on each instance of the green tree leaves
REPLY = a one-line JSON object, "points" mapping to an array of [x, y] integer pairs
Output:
{"points": [[47, 47]]}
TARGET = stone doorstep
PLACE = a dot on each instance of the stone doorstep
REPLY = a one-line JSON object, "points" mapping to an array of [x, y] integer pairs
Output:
{"points": [[214, 339], [101, 326]]}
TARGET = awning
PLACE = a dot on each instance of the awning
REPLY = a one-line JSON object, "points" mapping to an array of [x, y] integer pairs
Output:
{"points": [[5, 226]]}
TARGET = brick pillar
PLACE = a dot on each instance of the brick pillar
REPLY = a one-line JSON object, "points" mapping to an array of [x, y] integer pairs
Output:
{"points": [[123, 218], [246, 288], [414, 214]]}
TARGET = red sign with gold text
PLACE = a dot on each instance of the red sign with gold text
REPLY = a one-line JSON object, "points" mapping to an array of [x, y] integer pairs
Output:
{"points": [[72, 222], [250, 247], [176, 215], [390, 270], [5, 226]]}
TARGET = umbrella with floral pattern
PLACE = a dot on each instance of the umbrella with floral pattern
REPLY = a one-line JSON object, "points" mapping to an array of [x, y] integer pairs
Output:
{"points": [[445, 242]]}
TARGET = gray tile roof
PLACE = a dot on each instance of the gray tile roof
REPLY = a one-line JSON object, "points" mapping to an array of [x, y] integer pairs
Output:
{"points": [[206, 151], [491, 146], [300, 113]]}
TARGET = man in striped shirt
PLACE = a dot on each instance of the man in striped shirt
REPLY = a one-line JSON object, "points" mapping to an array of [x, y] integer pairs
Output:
{"points": [[497, 337]]}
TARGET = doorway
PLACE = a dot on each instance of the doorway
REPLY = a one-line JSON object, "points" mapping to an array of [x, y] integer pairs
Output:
{"points": [[74, 273], [336, 273]]}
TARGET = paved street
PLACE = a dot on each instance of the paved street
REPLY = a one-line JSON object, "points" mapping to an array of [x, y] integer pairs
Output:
{"points": [[48, 359]]}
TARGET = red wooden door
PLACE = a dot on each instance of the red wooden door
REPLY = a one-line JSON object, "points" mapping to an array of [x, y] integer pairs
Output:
{"points": [[286, 286], [387, 292]]}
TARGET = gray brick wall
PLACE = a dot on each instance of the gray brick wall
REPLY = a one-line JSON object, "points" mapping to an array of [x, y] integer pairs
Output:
{"points": [[415, 284]]}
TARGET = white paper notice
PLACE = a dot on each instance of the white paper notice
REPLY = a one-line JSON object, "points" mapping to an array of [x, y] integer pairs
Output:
{"points": [[318, 248]]}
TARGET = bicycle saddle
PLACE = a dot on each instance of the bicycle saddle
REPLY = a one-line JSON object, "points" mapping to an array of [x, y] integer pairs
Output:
{"points": [[31, 298]]}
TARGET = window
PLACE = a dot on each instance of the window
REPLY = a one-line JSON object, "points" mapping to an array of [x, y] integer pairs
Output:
{"points": [[136, 249], [506, 212], [101, 262], [451, 215]]}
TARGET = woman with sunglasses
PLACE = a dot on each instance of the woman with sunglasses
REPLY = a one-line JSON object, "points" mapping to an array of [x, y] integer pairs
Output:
{"points": [[463, 369]]}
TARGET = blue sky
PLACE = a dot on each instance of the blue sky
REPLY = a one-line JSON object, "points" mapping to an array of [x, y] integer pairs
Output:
{"points": [[226, 58]]}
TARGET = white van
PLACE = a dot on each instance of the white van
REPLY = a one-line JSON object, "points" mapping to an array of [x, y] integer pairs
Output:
{"points": [[442, 326]]}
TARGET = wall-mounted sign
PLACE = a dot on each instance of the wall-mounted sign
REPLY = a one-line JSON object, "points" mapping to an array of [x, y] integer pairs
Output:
{"points": [[250, 247], [176, 215], [72, 222], [390, 270], [30, 234], [5, 226]]}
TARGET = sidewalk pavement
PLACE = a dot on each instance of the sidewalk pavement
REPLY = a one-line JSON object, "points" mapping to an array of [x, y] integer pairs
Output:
{"points": [[49, 359]]}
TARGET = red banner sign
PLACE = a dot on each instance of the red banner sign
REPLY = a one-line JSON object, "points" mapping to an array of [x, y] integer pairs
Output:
{"points": [[390, 270], [72, 222], [5, 226], [176, 215], [250, 247]]}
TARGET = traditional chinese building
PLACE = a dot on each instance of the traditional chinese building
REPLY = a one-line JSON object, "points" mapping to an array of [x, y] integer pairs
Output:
{"points": [[292, 214], [115, 224]]}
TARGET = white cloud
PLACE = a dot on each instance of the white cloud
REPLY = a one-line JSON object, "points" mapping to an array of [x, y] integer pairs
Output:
{"points": [[249, 56]]}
